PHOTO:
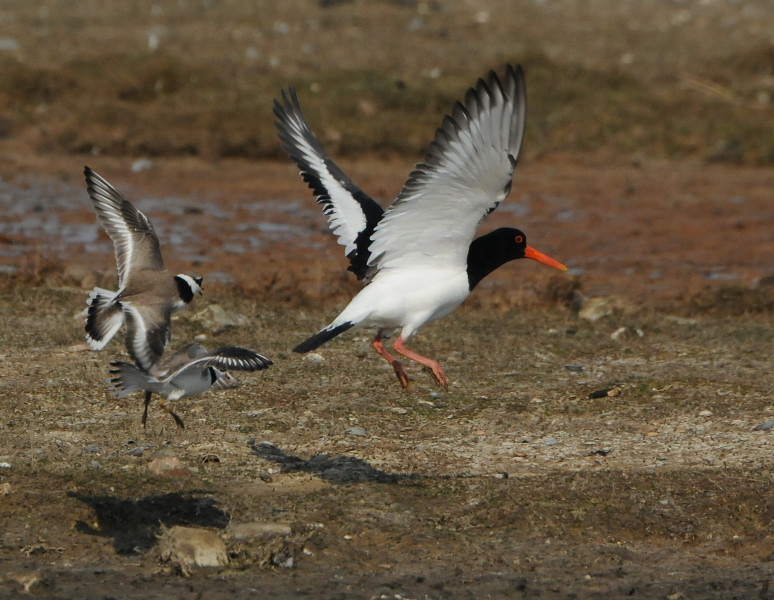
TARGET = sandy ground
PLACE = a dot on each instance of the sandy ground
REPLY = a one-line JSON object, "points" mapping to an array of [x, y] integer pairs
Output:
{"points": [[325, 480], [606, 433]]}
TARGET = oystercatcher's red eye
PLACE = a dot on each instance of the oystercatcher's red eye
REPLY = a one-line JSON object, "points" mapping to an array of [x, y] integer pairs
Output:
{"points": [[519, 239]]}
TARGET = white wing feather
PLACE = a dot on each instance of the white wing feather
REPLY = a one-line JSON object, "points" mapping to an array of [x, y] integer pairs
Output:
{"points": [[467, 172]]}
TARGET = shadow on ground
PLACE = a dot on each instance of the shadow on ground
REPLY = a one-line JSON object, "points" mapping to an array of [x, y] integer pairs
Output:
{"points": [[135, 525], [337, 469]]}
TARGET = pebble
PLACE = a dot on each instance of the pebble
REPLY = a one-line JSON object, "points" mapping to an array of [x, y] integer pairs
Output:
{"points": [[168, 466], [314, 358], [628, 332], [606, 392], [356, 431], [284, 560], [7, 43], [243, 531], [141, 164], [705, 413], [574, 368], [217, 319], [550, 441], [767, 425], [189, 547], [92, 448], [595, 309]]}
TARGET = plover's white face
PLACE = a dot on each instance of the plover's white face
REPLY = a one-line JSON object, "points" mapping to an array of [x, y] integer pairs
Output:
{"points": [[188, 287]]}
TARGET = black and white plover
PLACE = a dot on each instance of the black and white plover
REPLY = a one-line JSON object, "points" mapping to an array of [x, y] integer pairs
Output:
{"points": [[147, 293]]}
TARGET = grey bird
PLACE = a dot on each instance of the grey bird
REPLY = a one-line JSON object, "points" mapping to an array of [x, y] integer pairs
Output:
{"points": [[188, 372], [147, 293]]}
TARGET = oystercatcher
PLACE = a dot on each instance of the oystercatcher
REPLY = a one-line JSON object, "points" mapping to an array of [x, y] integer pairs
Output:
{"points": [[188, 372], [418, 258], [147, 293]]}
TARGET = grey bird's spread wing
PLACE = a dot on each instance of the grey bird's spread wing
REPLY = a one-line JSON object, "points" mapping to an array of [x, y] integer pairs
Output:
{"points": [[228, 358]]}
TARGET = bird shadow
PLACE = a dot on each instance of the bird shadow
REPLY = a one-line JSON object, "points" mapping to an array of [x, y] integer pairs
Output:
{"points": [[333, 469], [135, 525]]}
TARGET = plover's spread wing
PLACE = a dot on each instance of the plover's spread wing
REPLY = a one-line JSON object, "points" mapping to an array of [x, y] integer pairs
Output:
{"points": [[147, 332], [134, 239], [466, 173], [352, 214], [104, 317]]}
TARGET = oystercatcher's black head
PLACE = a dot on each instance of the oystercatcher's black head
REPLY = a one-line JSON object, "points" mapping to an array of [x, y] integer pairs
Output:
{"points": [[494, 249]]}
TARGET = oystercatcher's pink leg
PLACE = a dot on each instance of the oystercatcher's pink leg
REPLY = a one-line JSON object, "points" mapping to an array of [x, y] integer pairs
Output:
{"points": [[434, 367], [400, 372]]}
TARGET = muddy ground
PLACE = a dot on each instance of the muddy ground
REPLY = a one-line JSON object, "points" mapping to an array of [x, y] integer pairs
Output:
{"points": [[606, 433]]}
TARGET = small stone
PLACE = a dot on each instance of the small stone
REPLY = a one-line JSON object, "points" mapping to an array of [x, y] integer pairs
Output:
{"points": [[426, 403], [168, 466], [243, 531], [359, 431], [705, 413], [5, 488], [767, 425], [141, 164], [216, 319], [627, 332], [284, 560], [595, 309], [92, 448], [574, 368], [606, 392], [550, 441], [618, 333], [7, 44], [189, 547], [314, 358]]}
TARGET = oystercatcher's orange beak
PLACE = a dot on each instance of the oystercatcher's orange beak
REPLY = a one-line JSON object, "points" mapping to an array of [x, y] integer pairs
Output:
{"points": [[530, 252]]}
